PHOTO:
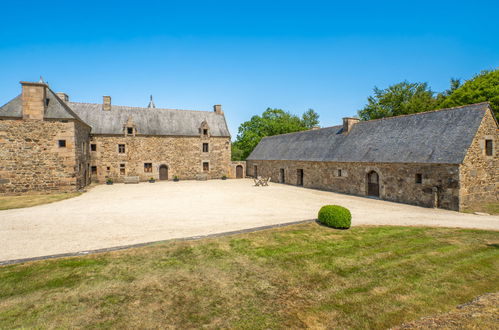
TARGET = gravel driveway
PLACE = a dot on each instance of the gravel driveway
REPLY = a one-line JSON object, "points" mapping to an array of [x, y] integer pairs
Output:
{"points": [[109, 216]]}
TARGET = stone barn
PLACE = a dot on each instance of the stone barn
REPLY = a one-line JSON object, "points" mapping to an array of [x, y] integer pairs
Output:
{"points": [[445, 158]]}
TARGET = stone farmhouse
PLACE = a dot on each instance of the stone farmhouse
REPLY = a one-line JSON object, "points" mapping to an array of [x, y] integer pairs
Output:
{"points": [[48, 143], [447, 158]]}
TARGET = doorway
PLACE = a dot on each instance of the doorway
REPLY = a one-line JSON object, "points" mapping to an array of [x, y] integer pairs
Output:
{"points": [[299, 177], [163, 172], [282, 178], [373, 184], [239, 172]]}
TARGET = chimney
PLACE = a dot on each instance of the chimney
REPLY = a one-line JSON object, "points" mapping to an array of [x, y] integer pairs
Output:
{"points": [[218, 109], [63, 96], [106, 103], [348, 123], [315, 127], [34, 100]]}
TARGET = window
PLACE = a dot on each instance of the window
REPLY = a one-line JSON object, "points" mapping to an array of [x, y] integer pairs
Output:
{"points": [[205, 147], [419, 178], [129, 130], [108, 168], [148, 167], [488, 148], [255, 171], [122, 169], [93, 147], [121, 148], [339, 172], [47, 101], [62, 143], [205, 131], [94, 170], [206, 166]]}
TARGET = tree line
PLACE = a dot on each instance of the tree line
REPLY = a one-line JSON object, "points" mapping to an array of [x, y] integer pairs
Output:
{"points": [[397, 99]]}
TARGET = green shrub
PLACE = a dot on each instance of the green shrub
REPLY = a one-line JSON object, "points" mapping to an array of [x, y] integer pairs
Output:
{"points": [[335, 216]]}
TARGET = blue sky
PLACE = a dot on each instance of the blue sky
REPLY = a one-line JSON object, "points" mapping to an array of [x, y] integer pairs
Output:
{"points": [[247, 56]]}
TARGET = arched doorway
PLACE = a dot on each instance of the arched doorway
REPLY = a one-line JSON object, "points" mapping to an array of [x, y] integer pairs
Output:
{"points": [[163, 172], [239, 172], [373, 184]]}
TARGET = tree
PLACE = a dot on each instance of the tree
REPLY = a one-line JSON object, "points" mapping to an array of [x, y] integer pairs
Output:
{"points": [[310, 118], [271, 122], [483, 87], [399, 99]]}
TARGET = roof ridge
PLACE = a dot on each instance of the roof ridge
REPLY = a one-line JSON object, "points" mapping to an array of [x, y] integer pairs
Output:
{"points": [[425, 112], [306, 130], [145, 108]]}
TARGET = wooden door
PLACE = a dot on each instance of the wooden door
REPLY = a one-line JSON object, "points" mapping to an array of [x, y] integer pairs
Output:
{"points": [[373, 184], [299, 174], [282, 179], [163, 172], [239, 172]]}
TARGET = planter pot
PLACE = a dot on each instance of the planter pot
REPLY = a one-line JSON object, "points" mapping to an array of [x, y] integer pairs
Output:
{"points": [[152, 181], [109, 183], [224, 178], [176, 180]]}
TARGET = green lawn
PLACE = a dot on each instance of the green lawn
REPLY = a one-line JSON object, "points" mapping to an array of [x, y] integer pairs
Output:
{"points": [[292, 277], [15, 202]]}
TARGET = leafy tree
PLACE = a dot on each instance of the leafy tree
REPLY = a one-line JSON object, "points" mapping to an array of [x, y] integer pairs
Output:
{"points": [[483, 87], [399, 99], [271, 122]]}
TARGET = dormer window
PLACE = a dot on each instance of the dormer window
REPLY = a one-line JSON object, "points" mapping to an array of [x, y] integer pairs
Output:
{"points": [[205, 132], [129, 130], [47, 101]]}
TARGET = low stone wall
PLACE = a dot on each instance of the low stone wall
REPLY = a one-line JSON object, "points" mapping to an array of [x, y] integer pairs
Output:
{"points": [[237, 170], [397, 182], [31, 159]]}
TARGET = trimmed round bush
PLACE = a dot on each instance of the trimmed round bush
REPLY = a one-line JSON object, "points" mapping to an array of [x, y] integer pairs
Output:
{"points": [[335, 216]]}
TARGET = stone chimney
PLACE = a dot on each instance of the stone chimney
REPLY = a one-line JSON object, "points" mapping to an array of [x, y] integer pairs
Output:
{"points": [[218, 109], [348, 123], [34, 100], [63, 96], [106, 103]]}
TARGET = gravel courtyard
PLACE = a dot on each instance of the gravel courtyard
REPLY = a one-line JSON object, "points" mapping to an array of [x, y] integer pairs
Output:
{"points": [[109, 216]]}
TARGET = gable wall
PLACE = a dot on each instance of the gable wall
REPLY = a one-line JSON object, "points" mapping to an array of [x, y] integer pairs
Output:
{"points": [[479, 174], [183, 156], [397, 181], [30, 158]]}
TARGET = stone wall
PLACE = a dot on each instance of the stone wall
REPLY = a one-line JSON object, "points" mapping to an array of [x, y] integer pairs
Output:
{"points": [[183, 156], [479, 173], [82, 151], [31, 159], [233, 169], [397, 182]]}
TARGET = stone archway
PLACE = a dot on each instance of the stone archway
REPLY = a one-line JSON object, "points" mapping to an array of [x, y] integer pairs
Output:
{"points": [[163, 172], [373, 184], [239, 172]]}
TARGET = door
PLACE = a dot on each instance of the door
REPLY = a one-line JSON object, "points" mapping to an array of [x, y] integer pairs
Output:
{"points": [[239, 172], [282, 179], [299, 175], [373, 184], [163, 172]]}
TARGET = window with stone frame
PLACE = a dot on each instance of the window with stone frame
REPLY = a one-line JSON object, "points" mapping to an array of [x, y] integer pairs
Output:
{"points": [[206, 166], [148, 167], [129, 130], [489, 148], [61, 143], [94, 170], [122, 169], [205, 131], [93, 147], [339, 172], [121, 148], [205, 147], [419, 178]]}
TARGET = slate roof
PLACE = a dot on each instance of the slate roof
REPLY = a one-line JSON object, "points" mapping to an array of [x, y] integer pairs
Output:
{"points": [[56, 108], [441, 136], [148, 121]]}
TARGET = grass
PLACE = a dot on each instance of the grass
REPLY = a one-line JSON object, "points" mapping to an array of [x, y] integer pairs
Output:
{"points": [[15, 202], [292, 277], [490, 208]]}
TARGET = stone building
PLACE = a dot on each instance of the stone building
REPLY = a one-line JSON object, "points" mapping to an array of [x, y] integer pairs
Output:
{"points": [[48, 143], [447, 158]]}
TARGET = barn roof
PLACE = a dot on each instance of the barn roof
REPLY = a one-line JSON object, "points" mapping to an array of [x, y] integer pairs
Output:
{"points": [[441, 136]]}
